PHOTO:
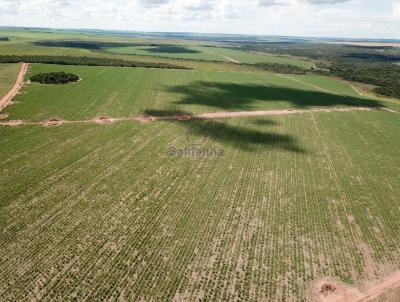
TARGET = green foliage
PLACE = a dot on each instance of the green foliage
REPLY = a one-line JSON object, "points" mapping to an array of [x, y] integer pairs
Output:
{"points": [[55, 78], [347, 280], [368, 65], [384, 75], [4, 39], [89, 61], [281, 68]]}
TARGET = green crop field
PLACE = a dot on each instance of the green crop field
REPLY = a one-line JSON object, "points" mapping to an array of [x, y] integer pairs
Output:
{"points": [[172, 51], [106, 212], [123, 92], [220, 209], [8, 75], [209, 53]]}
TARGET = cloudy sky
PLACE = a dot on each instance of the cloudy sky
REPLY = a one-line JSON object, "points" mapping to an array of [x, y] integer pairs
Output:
{"points": [[331, 18]]}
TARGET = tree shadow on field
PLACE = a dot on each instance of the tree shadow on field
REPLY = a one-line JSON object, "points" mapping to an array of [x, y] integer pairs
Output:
{"points": [[170, 49], [226, 132], [240, 97], [229, 96]]}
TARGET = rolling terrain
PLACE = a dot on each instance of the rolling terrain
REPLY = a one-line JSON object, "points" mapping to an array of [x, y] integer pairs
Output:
{"points": [[220, 183]]}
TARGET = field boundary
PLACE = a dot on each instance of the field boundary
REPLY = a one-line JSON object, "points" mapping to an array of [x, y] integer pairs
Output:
{"points": [[181, 117], [7, 99]]}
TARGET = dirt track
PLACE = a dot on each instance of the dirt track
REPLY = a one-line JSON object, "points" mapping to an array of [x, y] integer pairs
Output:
{"points": [[273, 112], [180, 117], [232, 60], [7, 99]]}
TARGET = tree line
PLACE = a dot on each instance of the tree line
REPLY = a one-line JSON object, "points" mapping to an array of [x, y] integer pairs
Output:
{"points": [[87, 61]]}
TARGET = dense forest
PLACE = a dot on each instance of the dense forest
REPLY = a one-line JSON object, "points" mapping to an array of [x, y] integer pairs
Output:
{"points": [[383, 75], [55, 78], [89, 61], [280, 68]]}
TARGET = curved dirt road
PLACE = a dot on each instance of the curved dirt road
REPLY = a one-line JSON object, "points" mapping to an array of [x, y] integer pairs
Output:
{"points": [[6, 100]]}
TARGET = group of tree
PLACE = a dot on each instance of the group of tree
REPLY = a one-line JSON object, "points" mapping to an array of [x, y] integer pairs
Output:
{"points": [[88, 61], [4, 39], [280, 68], [55, 78]]}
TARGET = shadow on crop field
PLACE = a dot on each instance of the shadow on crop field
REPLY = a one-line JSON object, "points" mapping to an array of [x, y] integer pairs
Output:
{"points": [[234, 97], [237, 136], [169, 49], [228, 96]]}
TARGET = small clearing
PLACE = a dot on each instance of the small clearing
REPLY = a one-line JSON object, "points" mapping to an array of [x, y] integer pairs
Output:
{"points": [[7, 99]]}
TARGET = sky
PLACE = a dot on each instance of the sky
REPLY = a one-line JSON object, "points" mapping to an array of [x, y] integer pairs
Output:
{"points": [[311, 18]]}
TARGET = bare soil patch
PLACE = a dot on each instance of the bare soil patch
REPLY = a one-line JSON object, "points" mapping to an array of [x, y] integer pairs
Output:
{"points": [[329, 290], [7, 99], [53, 122], [183, 117], [103, 120], [12, 123], [146, 118], [273, 112]]}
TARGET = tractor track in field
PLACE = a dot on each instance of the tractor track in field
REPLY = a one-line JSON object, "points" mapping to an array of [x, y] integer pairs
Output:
{"points": [[7, 99], [304, 83], [105, 120]]}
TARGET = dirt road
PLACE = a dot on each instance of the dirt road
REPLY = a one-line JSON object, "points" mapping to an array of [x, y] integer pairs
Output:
{"points": [[6, 100], [204, 116]]}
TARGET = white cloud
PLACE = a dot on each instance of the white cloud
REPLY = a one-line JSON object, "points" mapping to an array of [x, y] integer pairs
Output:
{"points": [[354, 18], [396, 8]]}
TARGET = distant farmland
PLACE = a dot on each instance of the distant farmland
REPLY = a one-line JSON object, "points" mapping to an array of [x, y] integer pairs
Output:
{"points": [[133, 91], [209, 53]]}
